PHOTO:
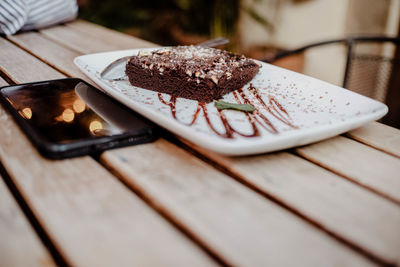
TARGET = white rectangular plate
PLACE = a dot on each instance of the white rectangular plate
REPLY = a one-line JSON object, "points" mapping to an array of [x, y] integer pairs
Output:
{"points": [[291, 109]]}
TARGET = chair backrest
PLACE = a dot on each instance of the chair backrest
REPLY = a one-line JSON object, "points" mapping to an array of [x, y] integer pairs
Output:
{"points": [[372, 66]]}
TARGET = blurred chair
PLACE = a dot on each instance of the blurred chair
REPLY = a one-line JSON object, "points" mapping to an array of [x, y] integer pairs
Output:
{"points": [[372, 68]]}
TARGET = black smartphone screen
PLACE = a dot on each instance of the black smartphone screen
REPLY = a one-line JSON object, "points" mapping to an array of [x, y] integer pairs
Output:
{"points": [[69, 117]]}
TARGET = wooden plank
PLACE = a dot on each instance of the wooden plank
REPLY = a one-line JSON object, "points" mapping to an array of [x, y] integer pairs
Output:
{"points": [[85, 38], [239, 225], [91, 218], [379, 136], [49, 52], [59, 56], [19, 244], [315, 212], [124, 41], [22, 63], [364, 165], [53, 54], [342, 208], [79, 42]]}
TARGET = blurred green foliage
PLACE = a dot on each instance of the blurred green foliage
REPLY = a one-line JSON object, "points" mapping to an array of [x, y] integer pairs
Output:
{"points": [[161, 21]]}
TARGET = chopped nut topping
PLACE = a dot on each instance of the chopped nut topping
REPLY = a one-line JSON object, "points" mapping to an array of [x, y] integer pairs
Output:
{"points": [[214, 79], [144, 53], [198, 63]]}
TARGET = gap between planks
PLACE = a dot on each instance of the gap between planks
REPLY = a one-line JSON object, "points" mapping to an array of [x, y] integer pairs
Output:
{"points": [[379, 136], [363, 165], [236, 223], [340, 202], [174, 221], [29, 247]]}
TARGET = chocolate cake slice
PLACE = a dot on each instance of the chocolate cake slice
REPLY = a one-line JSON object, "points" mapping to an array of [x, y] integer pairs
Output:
{"points": [[194, 72]]}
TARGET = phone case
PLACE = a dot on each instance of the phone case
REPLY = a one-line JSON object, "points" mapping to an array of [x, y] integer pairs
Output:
{"points": [[146, 131]]}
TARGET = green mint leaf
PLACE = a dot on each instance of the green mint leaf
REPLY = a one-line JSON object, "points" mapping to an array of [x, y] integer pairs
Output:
{"points": [[241, 107]]}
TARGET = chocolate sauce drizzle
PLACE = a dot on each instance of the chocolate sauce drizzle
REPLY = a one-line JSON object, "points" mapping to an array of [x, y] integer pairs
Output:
{"points": [[256, 118]]}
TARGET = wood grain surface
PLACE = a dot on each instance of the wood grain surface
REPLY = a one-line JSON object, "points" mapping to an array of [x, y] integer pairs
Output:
{"points": [[49, 52], [79, 42], [92, 219], [230, 215], [22, 67], [379, 136], [123, 41], [241, 226], [362, 164], [19, 244], [341, 207]]}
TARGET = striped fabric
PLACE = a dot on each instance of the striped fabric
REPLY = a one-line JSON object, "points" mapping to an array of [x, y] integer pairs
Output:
{"points": [[18, 15]]}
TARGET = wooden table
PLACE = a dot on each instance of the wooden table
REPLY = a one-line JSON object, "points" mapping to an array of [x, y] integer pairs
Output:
{"points": [[334, 203]]}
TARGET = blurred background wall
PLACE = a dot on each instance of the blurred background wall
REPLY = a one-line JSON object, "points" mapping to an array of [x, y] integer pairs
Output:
{"points": [[297, 23], [257, 28]]}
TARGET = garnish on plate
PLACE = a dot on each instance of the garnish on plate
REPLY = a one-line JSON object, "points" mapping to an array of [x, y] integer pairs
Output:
{"points": [[226, 105]]}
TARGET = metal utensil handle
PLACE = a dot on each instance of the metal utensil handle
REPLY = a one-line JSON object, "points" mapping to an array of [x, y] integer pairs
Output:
{"points": [[214, 42], [120, 60]]}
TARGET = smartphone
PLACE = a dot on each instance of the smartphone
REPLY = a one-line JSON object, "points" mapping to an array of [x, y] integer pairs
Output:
{"points": [[69, 117]]}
